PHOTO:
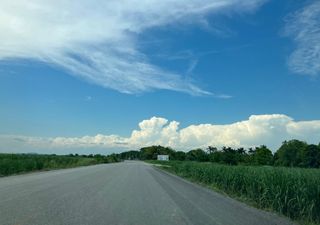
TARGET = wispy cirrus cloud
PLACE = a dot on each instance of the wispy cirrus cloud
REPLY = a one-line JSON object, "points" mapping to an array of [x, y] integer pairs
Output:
{"points": [[256, 130], [98, 40], [303, 27]]}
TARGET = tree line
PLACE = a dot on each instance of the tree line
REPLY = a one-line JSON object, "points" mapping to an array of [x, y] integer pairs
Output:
{"points": [[292, 153], [17, 163]]}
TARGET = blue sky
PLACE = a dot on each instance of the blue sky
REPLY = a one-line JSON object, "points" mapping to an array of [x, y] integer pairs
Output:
{"points": [[214, 65]]}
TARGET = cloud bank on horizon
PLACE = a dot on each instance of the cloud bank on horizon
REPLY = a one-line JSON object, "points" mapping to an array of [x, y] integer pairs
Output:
{"points": [[270, 130], [98, 40]]}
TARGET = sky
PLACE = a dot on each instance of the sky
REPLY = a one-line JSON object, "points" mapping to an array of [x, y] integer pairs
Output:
{"points": [[99, 76]]}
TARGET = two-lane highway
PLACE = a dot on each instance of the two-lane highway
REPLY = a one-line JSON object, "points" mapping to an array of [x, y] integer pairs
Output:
{"points": [[122, 193]]}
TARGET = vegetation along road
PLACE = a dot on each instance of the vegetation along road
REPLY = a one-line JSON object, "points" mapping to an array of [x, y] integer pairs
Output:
{"points": [[131, 192]]}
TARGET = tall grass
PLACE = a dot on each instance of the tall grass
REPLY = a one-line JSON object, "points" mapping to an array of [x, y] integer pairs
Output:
{"points": [[18, 163], [293, 192]]}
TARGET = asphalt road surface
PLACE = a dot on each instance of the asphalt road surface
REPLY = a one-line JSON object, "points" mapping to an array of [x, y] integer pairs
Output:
{"points": [[122, 193]]}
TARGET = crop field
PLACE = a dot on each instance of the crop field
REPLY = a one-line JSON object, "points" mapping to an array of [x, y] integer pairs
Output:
{"points": [[18, 163], [293, 192]]}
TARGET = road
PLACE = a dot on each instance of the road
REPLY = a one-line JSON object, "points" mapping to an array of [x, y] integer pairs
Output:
{"points": [[122, 193]]}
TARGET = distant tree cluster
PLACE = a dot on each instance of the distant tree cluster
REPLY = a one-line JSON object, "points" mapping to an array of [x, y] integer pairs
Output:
{"points": [[293, 153], [130, 155], [298, 153]]}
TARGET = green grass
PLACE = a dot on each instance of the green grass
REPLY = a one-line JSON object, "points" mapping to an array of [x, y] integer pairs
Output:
{"points": [[20, 163], [293, 192]]}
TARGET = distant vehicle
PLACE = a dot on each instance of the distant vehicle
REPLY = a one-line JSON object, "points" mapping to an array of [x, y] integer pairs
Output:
{"points": [[163, 157]]}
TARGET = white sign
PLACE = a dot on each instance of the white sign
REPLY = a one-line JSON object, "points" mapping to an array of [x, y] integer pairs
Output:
{"points": [[163, 157]]}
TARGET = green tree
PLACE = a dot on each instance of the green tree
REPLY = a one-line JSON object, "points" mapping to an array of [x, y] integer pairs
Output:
{"points": [[262, 156], [242, 155], [179, 155], [290, 153], [213, 154], [311, 156], [229, 156], [197, 155], [211, 149], [130, 155]]}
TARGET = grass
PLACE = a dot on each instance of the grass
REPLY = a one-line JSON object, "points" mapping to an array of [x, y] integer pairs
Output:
{"points": [[293, 192], [21, 163]]}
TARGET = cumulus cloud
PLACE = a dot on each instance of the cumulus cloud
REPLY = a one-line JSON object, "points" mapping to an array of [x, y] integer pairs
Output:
{"points": [[97, 40], [270, 130], [304, 27]]}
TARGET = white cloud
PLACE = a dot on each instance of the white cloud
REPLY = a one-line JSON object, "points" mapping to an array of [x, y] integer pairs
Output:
{"points": [[88, 98], [97, 40], [304, 27], [258, 129]]}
